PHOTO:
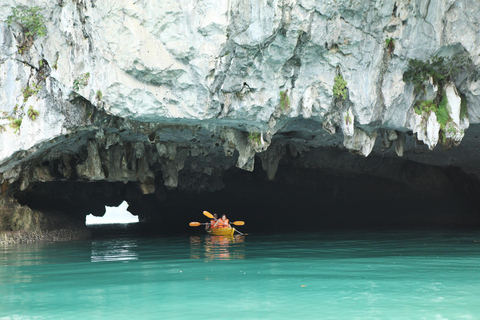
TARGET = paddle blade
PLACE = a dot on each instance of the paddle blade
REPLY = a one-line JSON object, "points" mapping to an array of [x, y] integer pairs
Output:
{"points": [[238, 223], [194, 224], [208, 214]]}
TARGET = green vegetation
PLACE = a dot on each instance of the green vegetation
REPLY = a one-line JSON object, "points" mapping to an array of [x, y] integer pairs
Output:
{"points": [[15, 124], [442, 113], [32, 113], [427, 106], [390, 43], [28, 91], [81, 81], [255, 137], [340, 88], [284, 100], [424, 107], [440, 69], [30, 19], [99, 95], [452, 130]]}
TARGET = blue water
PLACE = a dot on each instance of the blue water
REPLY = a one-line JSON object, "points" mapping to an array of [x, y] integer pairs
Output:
{"points": [[328, 275]]}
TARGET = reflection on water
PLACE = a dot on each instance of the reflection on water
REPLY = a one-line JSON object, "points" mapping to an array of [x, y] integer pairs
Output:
{"points": [[114, 250], [351, 275], [217, 247]]}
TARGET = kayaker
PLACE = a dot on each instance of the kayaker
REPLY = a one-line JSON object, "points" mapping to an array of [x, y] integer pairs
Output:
{"points": [[212, 222], [223, 222]]}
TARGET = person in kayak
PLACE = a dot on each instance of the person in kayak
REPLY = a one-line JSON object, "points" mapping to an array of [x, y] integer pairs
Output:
{"points": [[212, 222], [223, 222]]}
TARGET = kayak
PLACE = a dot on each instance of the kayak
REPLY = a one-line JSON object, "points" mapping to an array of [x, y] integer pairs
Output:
{"points": [[221, 231]]}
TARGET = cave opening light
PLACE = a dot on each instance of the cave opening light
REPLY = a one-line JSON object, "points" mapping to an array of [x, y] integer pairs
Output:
{"points": [[113, 215]]}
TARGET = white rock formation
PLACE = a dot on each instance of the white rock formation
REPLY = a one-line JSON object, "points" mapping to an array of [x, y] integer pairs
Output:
{"points": [[224, 63]]}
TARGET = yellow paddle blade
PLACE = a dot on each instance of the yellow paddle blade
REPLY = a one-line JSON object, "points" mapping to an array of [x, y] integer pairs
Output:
{"points": [[238, 223], [208, 214], [194, 224]]}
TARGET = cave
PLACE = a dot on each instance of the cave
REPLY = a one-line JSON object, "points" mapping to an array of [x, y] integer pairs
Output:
{"points": [[304, 181], [310, 119], [319, 189]]}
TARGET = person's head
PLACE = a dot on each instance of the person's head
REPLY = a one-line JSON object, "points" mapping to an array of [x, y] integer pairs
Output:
{"points": [[224, 217], [215, 215]]}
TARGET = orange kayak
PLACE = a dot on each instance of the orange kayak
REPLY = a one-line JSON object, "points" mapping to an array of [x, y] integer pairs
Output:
{"points": [[221, 231]]}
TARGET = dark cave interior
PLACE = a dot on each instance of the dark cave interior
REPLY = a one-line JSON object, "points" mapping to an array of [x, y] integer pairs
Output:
{"points": [[298, 199]]}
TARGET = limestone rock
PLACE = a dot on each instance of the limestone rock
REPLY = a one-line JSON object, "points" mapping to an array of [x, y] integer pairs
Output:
{"points": [[360, 142], [167, 94]]}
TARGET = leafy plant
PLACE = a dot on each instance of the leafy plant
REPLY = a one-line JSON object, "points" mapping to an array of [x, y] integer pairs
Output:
{"points": [[28, 91], [440, 69], [32, 113], [99, 95], [255, 137], [340, 88], [81, 81], [15, 124], [425, 107], [442, 113], [30, 19], [284, 100], [390, 43], [451, 129]]}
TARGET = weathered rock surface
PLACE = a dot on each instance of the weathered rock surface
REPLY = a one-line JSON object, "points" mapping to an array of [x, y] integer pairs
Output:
{"points": [[173, 94]]}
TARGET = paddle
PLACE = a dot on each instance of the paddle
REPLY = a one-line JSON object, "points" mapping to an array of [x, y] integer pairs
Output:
{"points": [[196, 224], [208, 214], [239, 232]]}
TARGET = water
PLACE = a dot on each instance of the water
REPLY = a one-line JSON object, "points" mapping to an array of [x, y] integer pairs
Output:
{"points": [[329, 275]]}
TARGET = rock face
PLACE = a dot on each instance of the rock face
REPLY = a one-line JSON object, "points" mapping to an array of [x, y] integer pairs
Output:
{"points": [[139, 99]]}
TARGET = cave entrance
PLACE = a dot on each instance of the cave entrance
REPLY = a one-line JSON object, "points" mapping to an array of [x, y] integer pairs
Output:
{"points": [[113, 215], [347, 192]]}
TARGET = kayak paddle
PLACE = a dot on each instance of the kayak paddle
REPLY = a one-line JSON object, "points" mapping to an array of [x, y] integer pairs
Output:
{"points": [[208, 214], [196, 224]]}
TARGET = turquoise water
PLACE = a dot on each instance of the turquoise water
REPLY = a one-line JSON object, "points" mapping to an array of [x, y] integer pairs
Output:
{"points": [[329, 275]]}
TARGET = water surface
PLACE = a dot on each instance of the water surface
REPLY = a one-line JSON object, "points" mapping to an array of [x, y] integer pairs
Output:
{"points": [[327, 275]]}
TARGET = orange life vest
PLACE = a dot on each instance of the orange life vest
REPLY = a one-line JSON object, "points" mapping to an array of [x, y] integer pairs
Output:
{"points": [[212, 224], [223, 224]]}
